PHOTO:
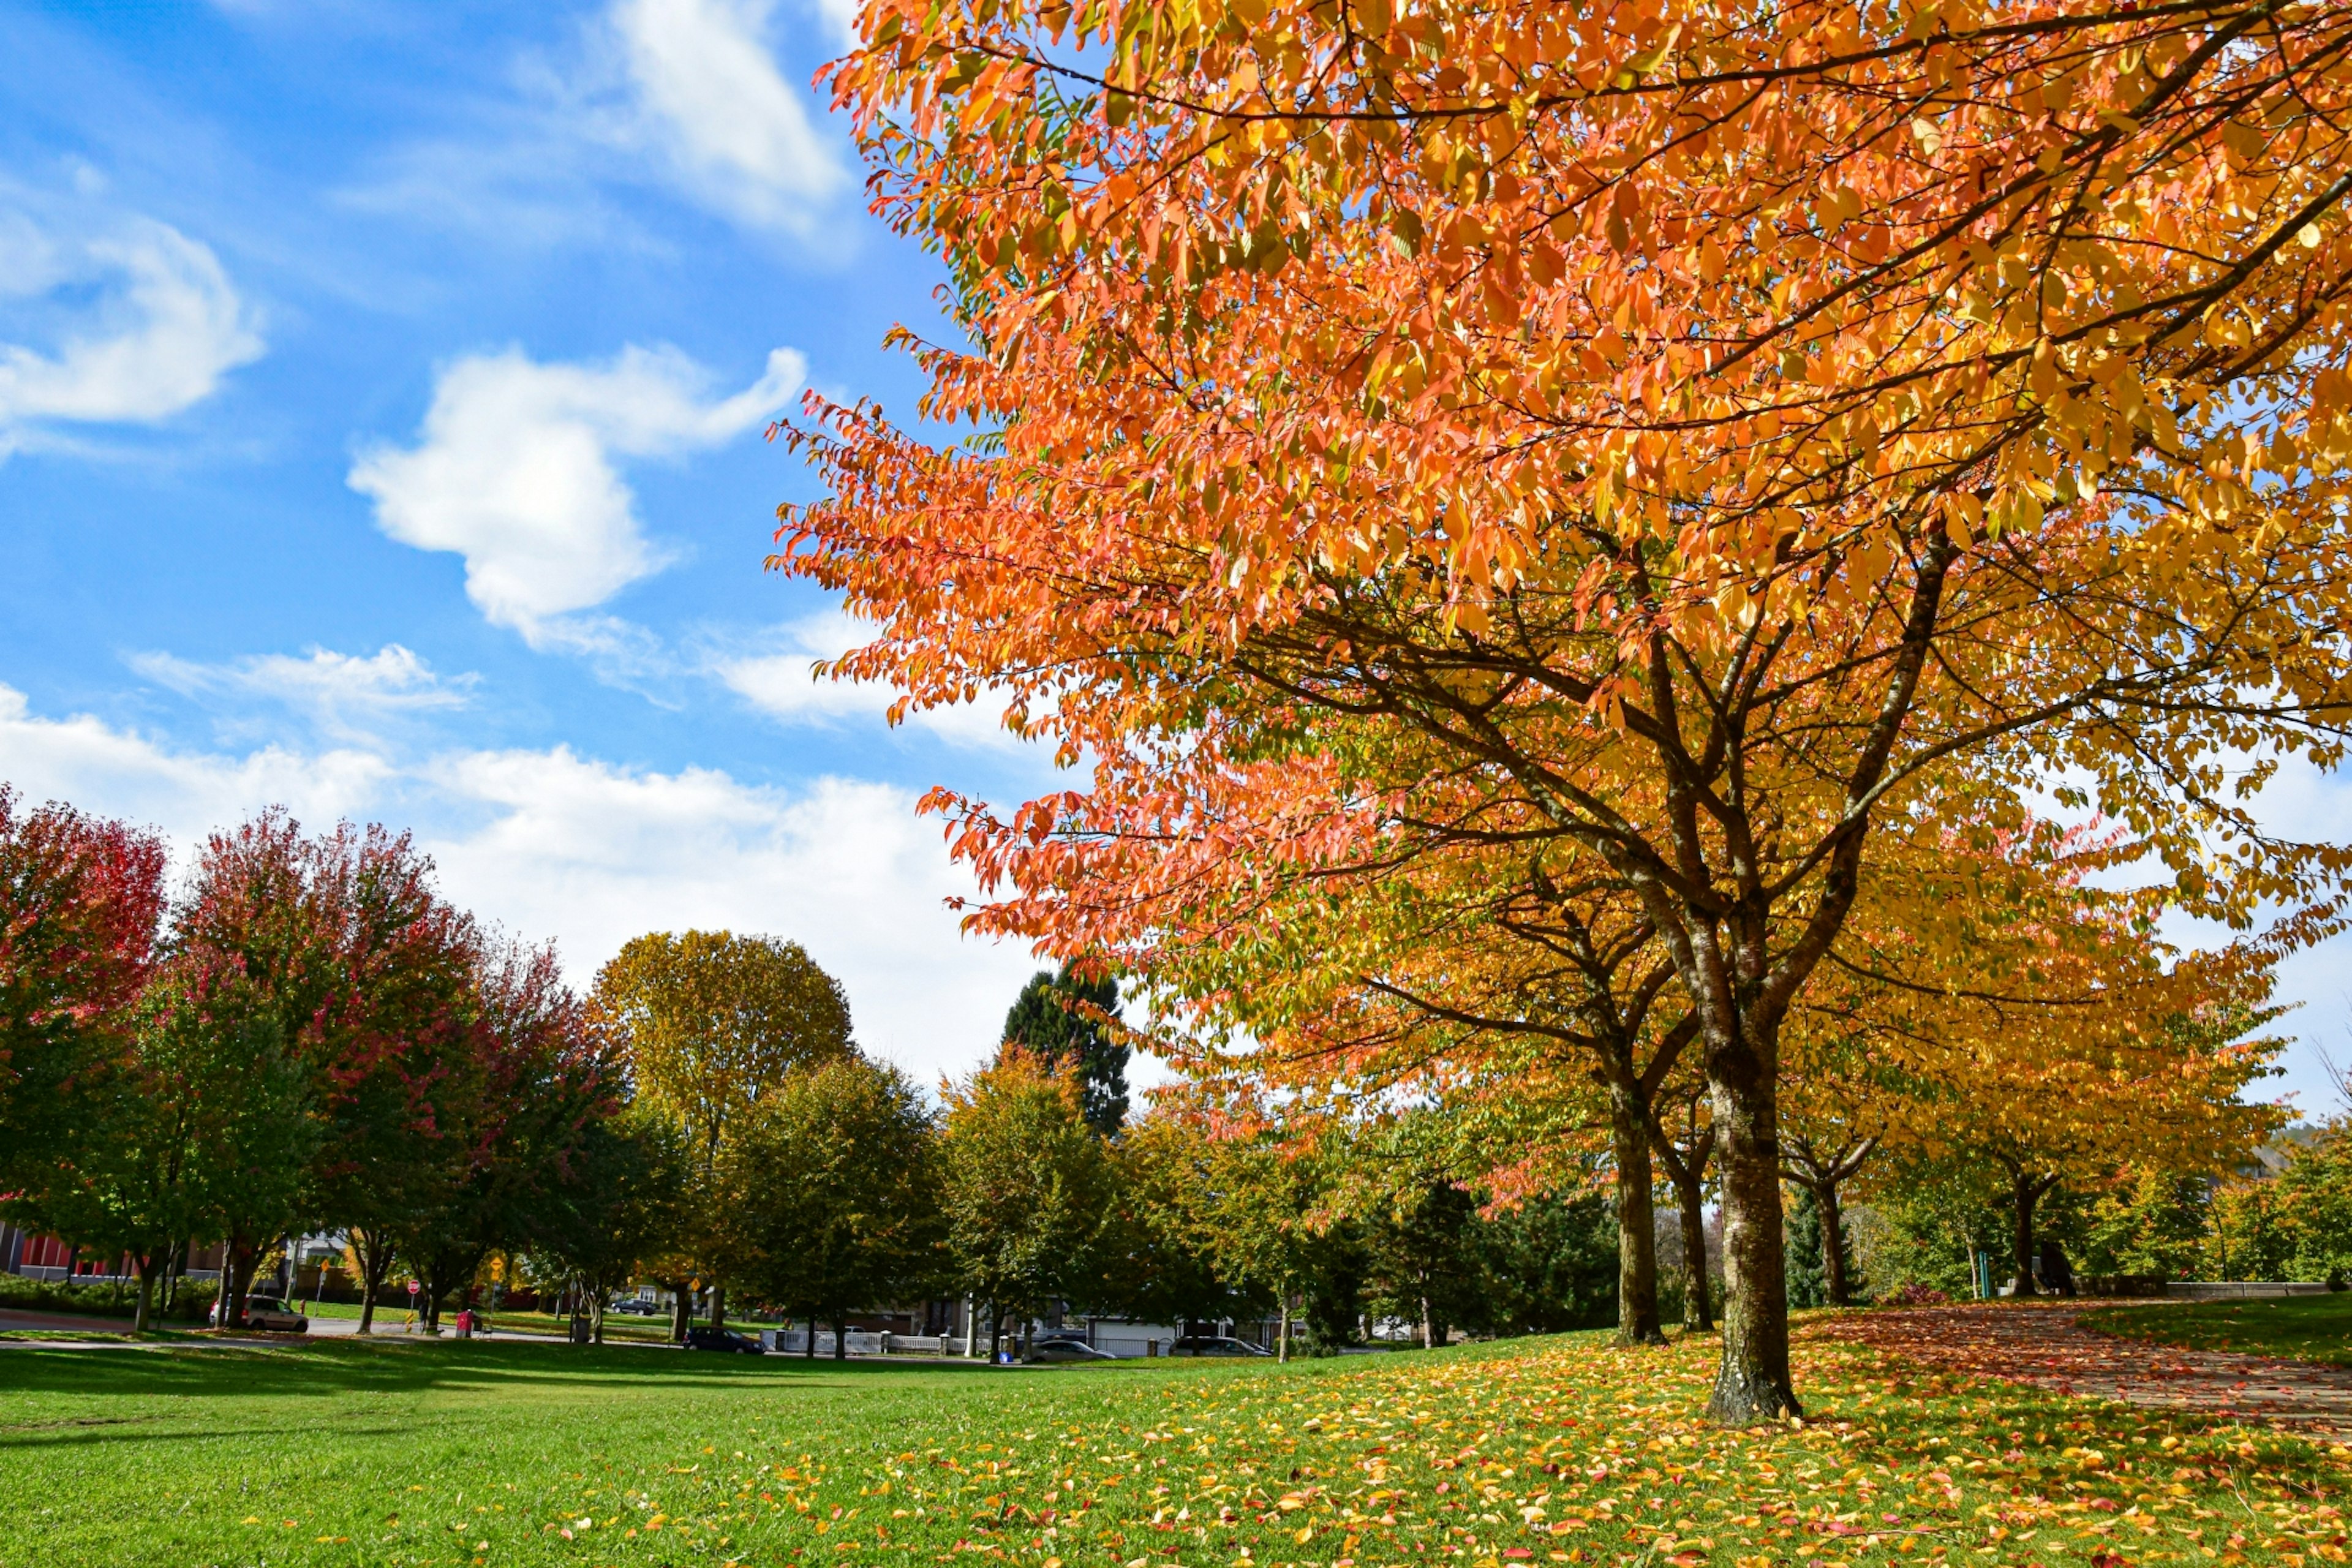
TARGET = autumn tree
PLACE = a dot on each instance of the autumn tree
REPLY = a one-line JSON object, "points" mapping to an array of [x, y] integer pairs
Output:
{"points": [[1071, 1017], [837, 1172], [1701, 434], [80, 903], [1027, 1187], [511, 1118], [712, 1024], [1510, 985], [334, 956], [252, 989]]}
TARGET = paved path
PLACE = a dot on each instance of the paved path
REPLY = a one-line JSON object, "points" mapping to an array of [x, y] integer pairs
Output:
{"points": [[2040, 1344]]}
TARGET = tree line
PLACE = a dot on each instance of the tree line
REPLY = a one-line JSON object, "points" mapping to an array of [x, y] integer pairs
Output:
{"points": [[307, 1037]]}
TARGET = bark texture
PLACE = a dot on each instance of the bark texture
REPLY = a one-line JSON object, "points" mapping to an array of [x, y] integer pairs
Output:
{"points": [[1637, 1236], [1753, 1384]]}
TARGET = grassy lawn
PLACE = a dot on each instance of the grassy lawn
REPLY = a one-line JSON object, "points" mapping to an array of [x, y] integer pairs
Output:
{"points": [[1539, 1451], [2306, 1328]]}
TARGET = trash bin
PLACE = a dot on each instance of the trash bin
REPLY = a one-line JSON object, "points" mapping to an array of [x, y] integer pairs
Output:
{"points": [[582, 1333], [466, 1323]]}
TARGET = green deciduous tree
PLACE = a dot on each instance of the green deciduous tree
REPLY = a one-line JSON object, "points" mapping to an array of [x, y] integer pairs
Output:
{"points": [[1028, 1185], [1157, 1262], [836, 1174], [618, 1202], [2315, 1204]]}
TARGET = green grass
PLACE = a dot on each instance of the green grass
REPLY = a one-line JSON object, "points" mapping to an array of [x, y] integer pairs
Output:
{"points": [[1539, 1451], [2304, 1328]]}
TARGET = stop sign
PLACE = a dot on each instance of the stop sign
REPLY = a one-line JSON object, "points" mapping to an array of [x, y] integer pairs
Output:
{"points": [[413, 1287]]}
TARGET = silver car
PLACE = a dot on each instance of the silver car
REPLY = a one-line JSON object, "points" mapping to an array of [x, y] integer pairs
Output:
{"points": [[1064, 1348], [270, 1313]]}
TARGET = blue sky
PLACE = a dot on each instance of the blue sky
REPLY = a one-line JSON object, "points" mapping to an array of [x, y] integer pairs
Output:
{"points": [[380, 394]]}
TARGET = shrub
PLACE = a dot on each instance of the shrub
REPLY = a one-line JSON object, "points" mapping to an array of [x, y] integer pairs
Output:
{"points": [[111, 1299]]}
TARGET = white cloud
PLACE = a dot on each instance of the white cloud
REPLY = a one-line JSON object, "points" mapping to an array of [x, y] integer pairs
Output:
{"points": [[841, 18], [139, 321], [346, 695], [691, 97], [120, 773], [710, 100], [515, 472], [552, 844], [783, 686]]}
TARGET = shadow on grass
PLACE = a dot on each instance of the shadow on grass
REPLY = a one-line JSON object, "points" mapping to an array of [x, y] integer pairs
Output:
{"points": [[363, 1367]]}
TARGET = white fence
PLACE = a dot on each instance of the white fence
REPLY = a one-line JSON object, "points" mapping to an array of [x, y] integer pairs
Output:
{"points": [[794, 1341]]}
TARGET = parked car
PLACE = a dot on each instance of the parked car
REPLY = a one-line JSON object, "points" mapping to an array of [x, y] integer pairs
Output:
{"points": [[269, 1312], [1216, 1344], [635, 1308], [722, 1340], [1065, 1348]]}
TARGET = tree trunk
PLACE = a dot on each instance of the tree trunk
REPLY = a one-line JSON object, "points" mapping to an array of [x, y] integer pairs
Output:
{"points": [[718, 1306], [596, 1318], [1825, 1199], [840, 1338], [2026, 1193], [1637, 1221], [1753, 1384], [144, 1262], [237, 1264], [808, 1351], [1428, 1340], [1282, 1351], [375, 1263], [1699, 1312], [681, 1315]]}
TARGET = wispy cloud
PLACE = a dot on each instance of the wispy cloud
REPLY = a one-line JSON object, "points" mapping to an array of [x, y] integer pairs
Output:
{"points": [[347, 696], [517, 469], [117, 318], [775, 673], [708, 100], [691, 98]]}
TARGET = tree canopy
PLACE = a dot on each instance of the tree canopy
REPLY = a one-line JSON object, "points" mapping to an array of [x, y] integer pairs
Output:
{"points": [[1686, 447]]}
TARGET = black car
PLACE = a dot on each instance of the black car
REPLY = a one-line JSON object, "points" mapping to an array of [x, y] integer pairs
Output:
{"points": [[633, 1307], [1216, 1344], [722, 1340]]}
